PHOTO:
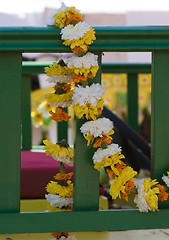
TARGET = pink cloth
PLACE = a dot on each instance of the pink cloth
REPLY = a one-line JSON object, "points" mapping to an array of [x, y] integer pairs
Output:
{"points": [[37, 170]]}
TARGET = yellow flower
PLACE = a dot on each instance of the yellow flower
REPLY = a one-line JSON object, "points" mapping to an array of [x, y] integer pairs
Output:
{"points": [[151, 193], [63, 191], [110, 162], [83, 42], [84, 71], [61, 18], [88, 111], [55, 209], [118, 186], [57, 70], [59, 153], [55, 98]]}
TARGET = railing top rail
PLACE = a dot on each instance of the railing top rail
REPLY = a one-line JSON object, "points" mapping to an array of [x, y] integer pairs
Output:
{"points": [[108, 39], [33, 67]]}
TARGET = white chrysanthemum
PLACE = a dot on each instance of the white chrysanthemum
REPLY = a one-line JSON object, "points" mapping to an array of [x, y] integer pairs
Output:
{"points": [[88, 94], [60, 79], [87, 61], [105, 153], [166, 180], [97, 128], [61, 104], [72, 32], [51, 18], [140, 197], [65, 159], [58, 201]]}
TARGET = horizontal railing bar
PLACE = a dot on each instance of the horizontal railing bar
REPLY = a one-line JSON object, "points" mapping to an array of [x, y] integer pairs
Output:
{"points": [[33, 67], [83, 221], [108, 39]]}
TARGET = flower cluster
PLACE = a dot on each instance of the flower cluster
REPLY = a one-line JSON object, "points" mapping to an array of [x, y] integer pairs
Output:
{"points": [[60, 151], [98, 131], [149, 193]]}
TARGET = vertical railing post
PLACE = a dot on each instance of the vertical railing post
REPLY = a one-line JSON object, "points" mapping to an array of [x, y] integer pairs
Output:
{"points": [[62, 130], [86, 179], [160, 113], [10, 131], [132, 100], [26, 113]]}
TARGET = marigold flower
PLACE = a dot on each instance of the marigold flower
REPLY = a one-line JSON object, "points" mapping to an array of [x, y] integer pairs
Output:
{"points": [[60, 16], [60, 100], [119, 167], [63, 191], [59, 115], [128, 187], [81, 35], [73, 19], [162, 195], [86, 65], [120, 186], [58, 201], [64, 176], [59, 153], [57, 235], [98, 131], [88, 111]]}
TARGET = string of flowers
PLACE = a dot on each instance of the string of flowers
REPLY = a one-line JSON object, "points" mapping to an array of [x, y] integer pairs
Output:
{"points": [[88, 103]]}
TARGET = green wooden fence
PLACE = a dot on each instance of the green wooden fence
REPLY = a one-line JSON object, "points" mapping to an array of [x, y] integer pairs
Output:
{"points": [[85, 217]]}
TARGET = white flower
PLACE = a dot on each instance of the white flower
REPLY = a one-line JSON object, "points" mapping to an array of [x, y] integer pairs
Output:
{"points": [[97, 128], [61, 104], [88, 94], [140, 197], [72, 32], [87, 61], [65, 159], [105, 153], [51, 18], [166, 180], [58, 201], [60, 78]]}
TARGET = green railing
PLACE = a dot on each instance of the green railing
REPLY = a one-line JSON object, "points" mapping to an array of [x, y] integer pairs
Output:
{"points": [[33, 68], [85, 216]]}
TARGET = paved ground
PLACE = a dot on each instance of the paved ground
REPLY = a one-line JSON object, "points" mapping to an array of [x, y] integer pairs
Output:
{"points": [[162, 234]]}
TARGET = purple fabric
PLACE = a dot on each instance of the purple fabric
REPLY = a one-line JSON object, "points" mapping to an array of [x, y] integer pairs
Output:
{"points": [[37, 170]]}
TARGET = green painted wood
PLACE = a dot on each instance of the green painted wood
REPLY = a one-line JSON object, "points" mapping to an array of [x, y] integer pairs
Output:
{"points": [[10, 131], [116, 220], [31, 67], [132, 100], [86, 178], [160, 114], [62, 130], [26, 113], [126, 68], [47, 39]]}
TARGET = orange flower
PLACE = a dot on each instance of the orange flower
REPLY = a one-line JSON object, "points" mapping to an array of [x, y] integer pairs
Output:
{"points": [[99, 112], [128, 186], [78, 50], [78, 78], [59, 115], [73, 19], [66, 88], [111, 173], [57, 235], [99, 141], [56, 87], [66, 176], [119, 167], [162, 195], [90, 75]]}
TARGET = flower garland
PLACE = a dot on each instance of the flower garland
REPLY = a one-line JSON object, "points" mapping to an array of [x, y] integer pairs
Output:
{"points": [[88, 103]]}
